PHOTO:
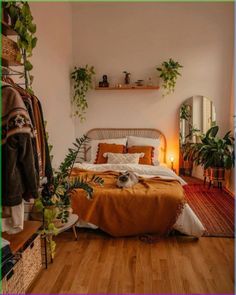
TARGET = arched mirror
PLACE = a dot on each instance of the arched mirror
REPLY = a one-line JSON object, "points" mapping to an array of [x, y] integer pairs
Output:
{"points": [[196, 115]]}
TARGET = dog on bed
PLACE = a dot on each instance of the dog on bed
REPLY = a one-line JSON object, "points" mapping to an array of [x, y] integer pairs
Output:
{"points": [[127, 179]]}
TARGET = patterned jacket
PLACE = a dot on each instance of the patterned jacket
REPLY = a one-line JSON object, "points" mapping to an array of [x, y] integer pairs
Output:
{"points": [[19, 175]]}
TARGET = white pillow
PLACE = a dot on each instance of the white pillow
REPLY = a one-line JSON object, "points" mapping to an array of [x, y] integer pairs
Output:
{"points": [[94, 145], [146, 141], [116, 158]]}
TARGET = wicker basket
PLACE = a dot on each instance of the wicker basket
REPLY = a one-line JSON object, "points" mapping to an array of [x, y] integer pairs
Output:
{"points": [[32, 262], [9, 50], [12, 283]]}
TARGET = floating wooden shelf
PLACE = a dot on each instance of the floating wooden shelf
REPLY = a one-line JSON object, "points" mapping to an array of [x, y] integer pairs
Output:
{"points": [[129, 88], [7, 30]]}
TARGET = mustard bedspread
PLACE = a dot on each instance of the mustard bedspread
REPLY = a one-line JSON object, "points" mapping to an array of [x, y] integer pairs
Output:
{"points": [[151, 206]]}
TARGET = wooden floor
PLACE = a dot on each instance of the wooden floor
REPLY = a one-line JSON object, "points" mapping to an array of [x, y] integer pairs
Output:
{"points": [[99, 264]]}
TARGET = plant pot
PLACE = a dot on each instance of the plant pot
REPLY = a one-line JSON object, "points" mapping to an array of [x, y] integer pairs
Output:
{"points": [[58, 223], [216, 173], [38, 216]]}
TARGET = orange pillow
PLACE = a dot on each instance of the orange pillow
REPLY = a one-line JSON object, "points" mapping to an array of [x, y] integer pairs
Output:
{"points": [[108, 148], [147, 150]]}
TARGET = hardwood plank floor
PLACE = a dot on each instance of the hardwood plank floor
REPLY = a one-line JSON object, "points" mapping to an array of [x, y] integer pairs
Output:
{"points": [[97, 263]]}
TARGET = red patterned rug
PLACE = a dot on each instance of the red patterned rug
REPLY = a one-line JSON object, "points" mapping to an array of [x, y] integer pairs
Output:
{"points": [[214, 207]]}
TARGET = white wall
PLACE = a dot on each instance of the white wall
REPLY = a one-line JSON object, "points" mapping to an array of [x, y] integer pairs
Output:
{"points": [[139, 36], [52, 60]]}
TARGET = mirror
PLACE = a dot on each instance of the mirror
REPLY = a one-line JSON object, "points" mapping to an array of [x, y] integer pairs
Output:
{"points": [[196, 115]]}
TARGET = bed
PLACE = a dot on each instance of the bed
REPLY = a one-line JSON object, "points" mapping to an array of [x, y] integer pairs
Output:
{"points": [[155, 205]]}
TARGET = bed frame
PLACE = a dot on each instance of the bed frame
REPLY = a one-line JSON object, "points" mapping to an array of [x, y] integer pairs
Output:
{"points": [[106, 133]]}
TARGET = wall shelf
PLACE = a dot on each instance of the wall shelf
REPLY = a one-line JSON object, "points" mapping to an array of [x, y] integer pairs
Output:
{"points": [[129, 88]]}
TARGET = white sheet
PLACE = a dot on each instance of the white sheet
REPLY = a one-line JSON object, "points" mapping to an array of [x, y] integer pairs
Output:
{"points": [[187, 223]]}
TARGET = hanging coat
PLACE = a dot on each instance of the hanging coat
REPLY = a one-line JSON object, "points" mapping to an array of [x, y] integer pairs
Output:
{"points": [[19, 174]]}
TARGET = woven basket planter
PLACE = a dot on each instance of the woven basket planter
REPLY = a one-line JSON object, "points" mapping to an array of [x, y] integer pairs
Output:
{"points": [[9, 50]]}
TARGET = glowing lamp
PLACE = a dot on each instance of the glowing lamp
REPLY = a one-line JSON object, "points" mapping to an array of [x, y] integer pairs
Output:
{"points": [[172, 162]]}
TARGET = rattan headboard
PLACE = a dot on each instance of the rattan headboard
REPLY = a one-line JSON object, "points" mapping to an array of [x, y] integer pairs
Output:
{"points": [[105, 133]]}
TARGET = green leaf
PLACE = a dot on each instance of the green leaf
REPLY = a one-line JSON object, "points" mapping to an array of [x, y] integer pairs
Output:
{"points": [[25, 10], [34, 42], [32, 28], [18, 25], [28, 66], [18, 57]]}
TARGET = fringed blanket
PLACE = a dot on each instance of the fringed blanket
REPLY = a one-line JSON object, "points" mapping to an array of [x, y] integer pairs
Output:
{"points": [[150, 206]]}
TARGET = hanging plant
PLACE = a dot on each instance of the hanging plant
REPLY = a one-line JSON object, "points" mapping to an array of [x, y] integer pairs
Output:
{"points": [[169, 72], [82, 82], [22, 23]]}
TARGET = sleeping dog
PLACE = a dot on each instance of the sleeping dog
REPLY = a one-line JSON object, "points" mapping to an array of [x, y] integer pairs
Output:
{"points": [[127, 179]]}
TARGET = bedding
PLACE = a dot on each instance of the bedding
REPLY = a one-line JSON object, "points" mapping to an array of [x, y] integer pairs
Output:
{"points": [[95, 142], [154, 205], [146, 141], [106, 148], [115, 158], [148, 153]]}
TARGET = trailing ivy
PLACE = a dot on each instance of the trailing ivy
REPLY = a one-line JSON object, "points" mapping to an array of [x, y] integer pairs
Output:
{"points": [[82, 82], [169, 72], [22, 23]]}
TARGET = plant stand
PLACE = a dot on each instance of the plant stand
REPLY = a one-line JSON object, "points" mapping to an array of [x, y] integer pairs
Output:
{"points": [[214, 175], [73, 219]]}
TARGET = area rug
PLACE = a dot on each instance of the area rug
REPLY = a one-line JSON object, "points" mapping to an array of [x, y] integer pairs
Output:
{"points": [[214, 207]]}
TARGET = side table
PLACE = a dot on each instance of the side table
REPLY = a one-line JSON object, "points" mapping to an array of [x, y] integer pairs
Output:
{"points": [[73, 219]]}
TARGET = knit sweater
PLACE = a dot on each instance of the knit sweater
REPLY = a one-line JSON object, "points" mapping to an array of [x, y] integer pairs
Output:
{"points": [[20, 178]]}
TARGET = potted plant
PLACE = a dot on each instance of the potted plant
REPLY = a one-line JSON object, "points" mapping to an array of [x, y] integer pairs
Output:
{"points": [[169, 72], [54, 202], [82, 82], [215, 154], [22, 23]]}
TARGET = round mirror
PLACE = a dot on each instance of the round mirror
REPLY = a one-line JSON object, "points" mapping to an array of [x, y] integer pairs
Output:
{"points": [[197, 114]]}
